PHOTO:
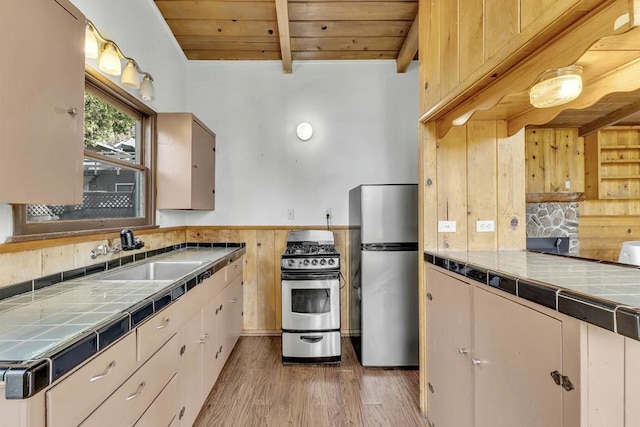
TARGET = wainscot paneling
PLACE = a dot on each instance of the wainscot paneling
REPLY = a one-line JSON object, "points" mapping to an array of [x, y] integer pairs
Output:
{"points": [[262, 294]]}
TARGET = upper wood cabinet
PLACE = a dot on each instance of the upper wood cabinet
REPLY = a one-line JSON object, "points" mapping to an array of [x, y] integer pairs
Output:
{"points": [[41, 101], [466, 46], [612, 163], [186, 163]]}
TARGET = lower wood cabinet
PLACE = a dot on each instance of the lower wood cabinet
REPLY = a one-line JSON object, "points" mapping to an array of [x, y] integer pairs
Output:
{"points": [[157, 375], [490, 359], [208, 337], [130, 401]]}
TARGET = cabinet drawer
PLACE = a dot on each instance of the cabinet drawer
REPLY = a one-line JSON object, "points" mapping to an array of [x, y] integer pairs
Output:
{"points": [[74, 398], [157, 330], [233, 269], [164, 408], [130, 401]]}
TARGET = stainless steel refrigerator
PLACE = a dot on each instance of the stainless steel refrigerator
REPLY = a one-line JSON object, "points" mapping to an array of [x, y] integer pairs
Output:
{"points": [[383, 270]]}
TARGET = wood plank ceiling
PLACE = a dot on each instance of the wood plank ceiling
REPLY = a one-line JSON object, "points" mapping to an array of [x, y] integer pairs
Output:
{"points": [[294, 30]]}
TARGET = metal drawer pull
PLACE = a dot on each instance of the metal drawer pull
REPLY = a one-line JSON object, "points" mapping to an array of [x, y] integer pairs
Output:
{"points": [[311, 339], [234, 301], [73, 111], [164, 324], [106, 372], [138, 391], [204, 338], [478, 362], [463, 351]]}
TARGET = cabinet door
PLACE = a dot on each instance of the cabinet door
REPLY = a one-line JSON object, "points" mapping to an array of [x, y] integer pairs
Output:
{"points": [[41, 102], [449, 369], [203, 159], [212, 353], [190, 373], [515, 350], [233, 314]]}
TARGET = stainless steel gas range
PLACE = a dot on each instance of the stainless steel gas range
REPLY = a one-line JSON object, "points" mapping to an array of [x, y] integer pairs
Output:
{"points": [[310, 298]]}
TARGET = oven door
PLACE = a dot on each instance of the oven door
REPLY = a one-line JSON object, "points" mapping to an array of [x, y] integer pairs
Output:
{"points": [[310, 302]]}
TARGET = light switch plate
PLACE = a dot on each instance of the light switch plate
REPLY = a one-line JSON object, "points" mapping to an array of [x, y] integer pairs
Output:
{"points": [[446, 226]]}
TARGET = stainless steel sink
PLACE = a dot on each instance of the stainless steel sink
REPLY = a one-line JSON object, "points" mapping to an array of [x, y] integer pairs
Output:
{"points": [[156, 270]]}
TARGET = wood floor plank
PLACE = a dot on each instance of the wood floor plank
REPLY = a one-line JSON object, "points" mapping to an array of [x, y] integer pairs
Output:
{"points": [[256, 389]]}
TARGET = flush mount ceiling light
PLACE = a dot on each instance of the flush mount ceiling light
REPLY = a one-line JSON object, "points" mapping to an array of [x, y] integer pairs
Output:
{"points": [[110, 59], [304, 131], [556, 87]]}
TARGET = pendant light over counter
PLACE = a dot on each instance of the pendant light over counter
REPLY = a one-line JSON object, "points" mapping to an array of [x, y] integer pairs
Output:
{"points": [[110, 59]]}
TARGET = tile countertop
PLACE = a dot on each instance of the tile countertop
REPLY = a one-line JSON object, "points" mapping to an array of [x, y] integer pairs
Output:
{"points": [[601, 293], [38, 326]]}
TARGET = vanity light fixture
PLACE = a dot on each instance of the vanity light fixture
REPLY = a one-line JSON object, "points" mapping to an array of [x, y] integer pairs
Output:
{"points": [[556, 87], [110, 56], [304, 131]]}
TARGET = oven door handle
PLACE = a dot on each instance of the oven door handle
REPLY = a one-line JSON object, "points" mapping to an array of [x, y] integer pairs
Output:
{"points": [[310, 339]]}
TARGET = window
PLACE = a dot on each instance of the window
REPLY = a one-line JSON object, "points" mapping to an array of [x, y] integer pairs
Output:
{"points": [[117, 179]]}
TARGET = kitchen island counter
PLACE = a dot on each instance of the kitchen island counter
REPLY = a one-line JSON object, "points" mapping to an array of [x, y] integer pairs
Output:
{"points": [[601, 293]]}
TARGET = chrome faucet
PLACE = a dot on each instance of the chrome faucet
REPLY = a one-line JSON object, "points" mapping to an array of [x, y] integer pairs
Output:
{"points": [[105, 250], [128, 242]]}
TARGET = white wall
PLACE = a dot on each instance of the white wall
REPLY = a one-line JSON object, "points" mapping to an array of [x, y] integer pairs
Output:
{"points": [[364, 116], [140, 31]]}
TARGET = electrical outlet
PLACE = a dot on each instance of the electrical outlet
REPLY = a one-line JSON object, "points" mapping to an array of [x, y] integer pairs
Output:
{"points": [[485, 226], [446, 226], [567, 184], [291, 214], [328, 214]]}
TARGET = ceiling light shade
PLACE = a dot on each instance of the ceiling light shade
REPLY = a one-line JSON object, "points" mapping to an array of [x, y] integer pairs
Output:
{"points": [[304, 131], [556, 87], [130, 77], [90, 43], [147, 92], [110, 60]]}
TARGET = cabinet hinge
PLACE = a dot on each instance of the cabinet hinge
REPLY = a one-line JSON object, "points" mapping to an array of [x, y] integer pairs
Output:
{"points": [[431, 389], [566, 383], [242, 314], [182, 349], [181, 413], [562, 380], [429, 296]]}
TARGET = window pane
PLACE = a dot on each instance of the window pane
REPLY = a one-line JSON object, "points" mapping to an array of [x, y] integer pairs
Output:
{"points": [[109, 192], [110, 131]]}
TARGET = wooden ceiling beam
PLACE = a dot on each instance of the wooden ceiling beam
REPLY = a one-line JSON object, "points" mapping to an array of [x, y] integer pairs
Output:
{"points": [[610, 119], [282, 14], [409, 48]]}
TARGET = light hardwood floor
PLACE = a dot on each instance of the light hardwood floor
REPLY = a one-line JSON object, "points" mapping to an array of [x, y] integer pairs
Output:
{"points": [[256, 389]]}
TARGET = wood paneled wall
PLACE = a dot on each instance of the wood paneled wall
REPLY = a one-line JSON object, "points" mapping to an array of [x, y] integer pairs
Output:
{"points": [[265, 245], [601, 236], [474, 173], [554, 157]]}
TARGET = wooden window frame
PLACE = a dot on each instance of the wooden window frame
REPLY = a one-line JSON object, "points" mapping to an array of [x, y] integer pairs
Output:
{"points": [[118, 97]]}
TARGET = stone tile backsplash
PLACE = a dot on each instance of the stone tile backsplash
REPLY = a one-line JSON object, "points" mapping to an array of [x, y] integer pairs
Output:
{"points": [[555, 220]]}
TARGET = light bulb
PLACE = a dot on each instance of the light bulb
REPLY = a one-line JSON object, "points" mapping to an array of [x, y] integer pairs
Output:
{"points": [[147, 92], [130, 76], [110, 61], [90, 43]]}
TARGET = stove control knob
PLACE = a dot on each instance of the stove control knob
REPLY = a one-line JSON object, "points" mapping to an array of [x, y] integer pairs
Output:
{"points": [[314, 262], [323, 261], [306, 262], [332, 261], [291, 263]]}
